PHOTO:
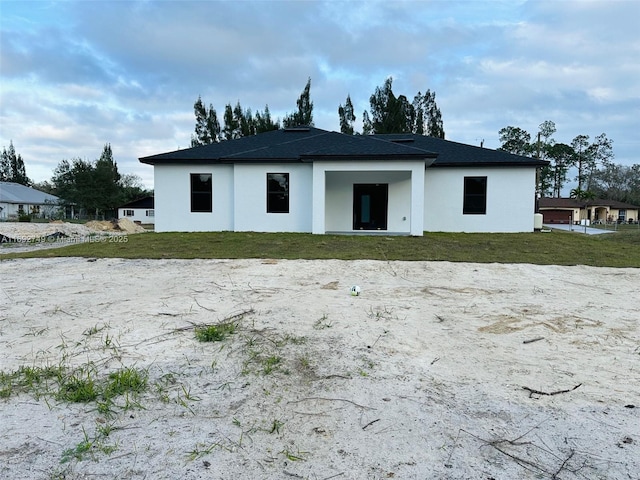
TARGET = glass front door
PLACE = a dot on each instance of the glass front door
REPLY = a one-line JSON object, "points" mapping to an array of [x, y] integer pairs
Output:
{"points": [[370, 206]]}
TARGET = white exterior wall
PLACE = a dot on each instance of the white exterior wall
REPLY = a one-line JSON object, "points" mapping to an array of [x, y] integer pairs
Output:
{"points": [[333, 194], [10, 211], [510, 200], [172, 192], [139, 215], [250, 198], [321, 197]]}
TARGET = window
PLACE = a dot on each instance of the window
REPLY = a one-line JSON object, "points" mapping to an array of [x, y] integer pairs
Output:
{"points": [[201, 193], [150, 213], [475, 196], [277, 193], [128, 213], [622, 214]]}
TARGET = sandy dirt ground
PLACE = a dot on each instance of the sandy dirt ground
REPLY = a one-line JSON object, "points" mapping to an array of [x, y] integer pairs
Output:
{"points": [[17, 237], [436, 370]]}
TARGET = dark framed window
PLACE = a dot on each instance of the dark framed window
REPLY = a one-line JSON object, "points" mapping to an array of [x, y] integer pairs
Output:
{"points": [[475, 196], [201, 192], [277, 193]]}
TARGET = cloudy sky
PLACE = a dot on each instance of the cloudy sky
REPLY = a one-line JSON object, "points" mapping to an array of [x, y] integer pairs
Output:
{"points": [[75, 75]]}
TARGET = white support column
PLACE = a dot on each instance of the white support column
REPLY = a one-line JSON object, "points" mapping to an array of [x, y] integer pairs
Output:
{"points": [[318, 202], [417, 200]]}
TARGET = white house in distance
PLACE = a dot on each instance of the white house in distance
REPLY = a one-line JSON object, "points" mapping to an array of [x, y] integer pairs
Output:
{"points": [[305, 179], [17, 199], [139, 211]]}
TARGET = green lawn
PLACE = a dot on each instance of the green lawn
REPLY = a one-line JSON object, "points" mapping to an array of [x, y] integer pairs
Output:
{"points": [[621, 249]]}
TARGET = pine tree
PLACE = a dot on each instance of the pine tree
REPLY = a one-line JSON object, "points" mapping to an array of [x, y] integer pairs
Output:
{"points": [[515, 140], [263, 121], [367, 126], [391, 114], [599, 152], [347, 117], [435, 126], [207, 126], [106, 179], [304, 115], [213, 125], [244, 121], [202, 132], [580, 145], [5, 166], [418, 108], [231, 125], [12, 167], [385, 110]]}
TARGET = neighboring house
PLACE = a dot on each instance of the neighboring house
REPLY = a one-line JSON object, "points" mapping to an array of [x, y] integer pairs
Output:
{"points": [[572, 210], [309, 180], [141, 211], [17, 199]]}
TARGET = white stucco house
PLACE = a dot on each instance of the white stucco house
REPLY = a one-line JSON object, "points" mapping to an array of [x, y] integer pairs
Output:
{"points": [[17, 199], [139, 211], [305, 179]]}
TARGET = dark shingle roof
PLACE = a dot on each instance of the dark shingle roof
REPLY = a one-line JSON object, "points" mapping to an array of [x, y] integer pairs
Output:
{"points": [[291, 145], [452, 154], [145, 202], [306, 144]]}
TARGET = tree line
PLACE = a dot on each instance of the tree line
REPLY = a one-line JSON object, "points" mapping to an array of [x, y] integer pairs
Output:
{"points": [[394, 114], [597, 175], [388, 114], [92, 188], [239, 122], [96, 188]]}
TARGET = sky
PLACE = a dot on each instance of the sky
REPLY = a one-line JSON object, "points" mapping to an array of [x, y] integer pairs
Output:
{"points": [[75, 75]]}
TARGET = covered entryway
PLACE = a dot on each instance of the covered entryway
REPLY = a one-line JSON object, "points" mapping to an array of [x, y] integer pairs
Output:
{"points": [[385, 197], [370, 203]]}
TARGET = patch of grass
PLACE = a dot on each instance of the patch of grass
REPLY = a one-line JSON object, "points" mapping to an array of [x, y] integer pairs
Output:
{"points": [[214, 333], [269, 364], [26, 380], [292, 456], [80, 387], [303, 363], [34, 380], [125, 381], [202, 449], [556, 248], [93, 330], [78, 452], [90, 446], [276, 425]]}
